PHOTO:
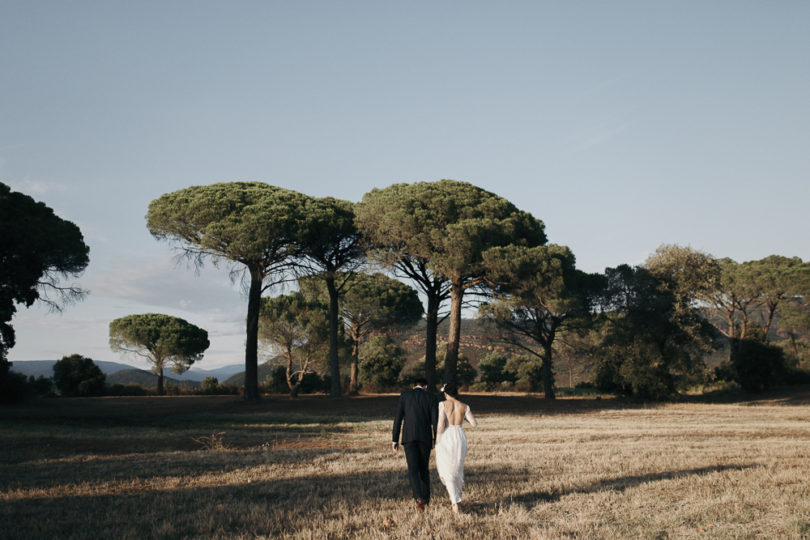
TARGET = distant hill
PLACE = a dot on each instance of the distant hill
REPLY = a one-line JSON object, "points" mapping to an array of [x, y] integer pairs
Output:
{"points": [[239, 378], [45, 367], [222, 373], [144, 378]]}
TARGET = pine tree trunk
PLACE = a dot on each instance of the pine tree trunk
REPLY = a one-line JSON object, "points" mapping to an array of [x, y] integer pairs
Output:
{"points": [[454, 335], [290, 384], [431, 331], [252, 338], [548, 373], [334, 367], [160, 381], [354, 384]]}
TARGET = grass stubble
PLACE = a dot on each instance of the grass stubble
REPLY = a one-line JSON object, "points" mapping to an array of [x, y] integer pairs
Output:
{"points": [[128, 468]]}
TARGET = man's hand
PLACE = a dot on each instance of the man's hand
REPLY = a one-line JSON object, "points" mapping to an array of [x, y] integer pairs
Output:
{"points": [[394, 447]]}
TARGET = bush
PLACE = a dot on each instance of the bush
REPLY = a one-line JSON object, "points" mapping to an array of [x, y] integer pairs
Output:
{"points": [[313, 383], [465, 372], [128, 390], [76, 375], [637, 369], [381, 361], [13, 387], [526, 373], [276, 382], [493, 370], [757, 366], [796, 376], [41, 386], [209, 385]]}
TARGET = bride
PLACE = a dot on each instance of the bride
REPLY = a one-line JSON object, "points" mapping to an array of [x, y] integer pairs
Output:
{"points": [[451, 445]]}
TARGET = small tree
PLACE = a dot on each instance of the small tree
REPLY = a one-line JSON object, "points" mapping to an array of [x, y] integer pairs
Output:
{"points": [[381, 360], [756, 365], [329, 246], [654, 345], [369, 304], [540, 295], [525, 372], [794, 324], [299, 329], [777, 281], [76, 375], [160, 339], [492, 368], [209, 385]]}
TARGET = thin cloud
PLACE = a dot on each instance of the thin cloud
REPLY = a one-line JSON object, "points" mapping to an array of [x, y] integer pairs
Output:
{"points": [[594, 137], [37, 188], [159, 282]]}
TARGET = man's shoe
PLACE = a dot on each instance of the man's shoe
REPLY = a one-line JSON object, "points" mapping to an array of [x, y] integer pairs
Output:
{"points": [[420, 505]]}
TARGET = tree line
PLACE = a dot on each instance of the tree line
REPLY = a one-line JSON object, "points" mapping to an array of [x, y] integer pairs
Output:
{"points": [[358, 269]]}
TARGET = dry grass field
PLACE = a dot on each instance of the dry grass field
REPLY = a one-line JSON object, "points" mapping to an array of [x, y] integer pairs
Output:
{"points": [[215, 467]]}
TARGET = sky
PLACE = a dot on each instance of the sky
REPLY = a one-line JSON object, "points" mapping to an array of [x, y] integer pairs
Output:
{"points": [[622, 125]]}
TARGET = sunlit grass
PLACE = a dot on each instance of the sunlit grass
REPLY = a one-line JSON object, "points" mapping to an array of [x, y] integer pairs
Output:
{"points": [[323, 469]]}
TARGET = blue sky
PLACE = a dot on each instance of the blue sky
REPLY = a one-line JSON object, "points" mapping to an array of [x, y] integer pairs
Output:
{"points": [[622, 125]]}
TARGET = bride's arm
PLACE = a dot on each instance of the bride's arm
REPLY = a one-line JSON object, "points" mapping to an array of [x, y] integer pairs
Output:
{"points": [[468, 416], [442, 421]]}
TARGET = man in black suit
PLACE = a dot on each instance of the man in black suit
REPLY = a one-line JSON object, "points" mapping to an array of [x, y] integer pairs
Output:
{"points": [[420, 411]]}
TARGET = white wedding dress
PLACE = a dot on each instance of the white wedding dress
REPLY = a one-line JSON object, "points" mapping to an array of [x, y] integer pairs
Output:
{"points": [[451, 448]]}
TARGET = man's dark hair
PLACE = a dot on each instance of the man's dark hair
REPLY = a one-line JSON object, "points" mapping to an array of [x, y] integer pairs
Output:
{"points": [[421, 381]]}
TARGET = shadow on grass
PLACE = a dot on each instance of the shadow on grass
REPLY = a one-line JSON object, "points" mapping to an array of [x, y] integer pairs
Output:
{"points": [[532, 498], [151, 468], [788, 395], [268, 506]]}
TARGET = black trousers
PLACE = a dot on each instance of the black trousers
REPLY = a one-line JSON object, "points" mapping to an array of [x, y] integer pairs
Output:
{"points": [[417, 454]]}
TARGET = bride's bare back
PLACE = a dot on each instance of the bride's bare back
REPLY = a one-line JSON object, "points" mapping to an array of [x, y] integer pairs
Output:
{"points": [[456, 411]]}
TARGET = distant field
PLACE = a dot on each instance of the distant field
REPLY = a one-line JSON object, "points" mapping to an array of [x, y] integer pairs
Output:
{"points": [[214, 467]]}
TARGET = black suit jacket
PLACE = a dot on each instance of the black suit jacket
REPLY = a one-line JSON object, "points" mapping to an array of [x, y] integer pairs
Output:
{"points": [[420, 411]]}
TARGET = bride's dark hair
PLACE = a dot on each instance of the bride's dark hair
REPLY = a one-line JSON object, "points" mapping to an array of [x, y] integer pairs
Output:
{"points": [[450, 389]]}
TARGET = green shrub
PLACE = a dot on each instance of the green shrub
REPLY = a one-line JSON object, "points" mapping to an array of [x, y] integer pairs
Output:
{"points": [[465, 372], [493, 370], [525, 372], [276, 382], [381, 361], [209, 385], [41, 386], [757, 366], [13, 387], [76, 375], [128, 390]]}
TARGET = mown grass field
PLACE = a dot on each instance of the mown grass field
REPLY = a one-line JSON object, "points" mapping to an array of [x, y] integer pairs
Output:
{"points": [[215, 467]]}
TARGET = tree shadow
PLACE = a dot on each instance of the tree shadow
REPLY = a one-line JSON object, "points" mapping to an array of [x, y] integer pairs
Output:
{"points": [[270, 507], [789, 395], [267, 506], [533, 498]]}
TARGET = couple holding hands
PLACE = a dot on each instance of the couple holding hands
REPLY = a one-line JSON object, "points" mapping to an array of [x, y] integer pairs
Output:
{"points": [[430, 423]]}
